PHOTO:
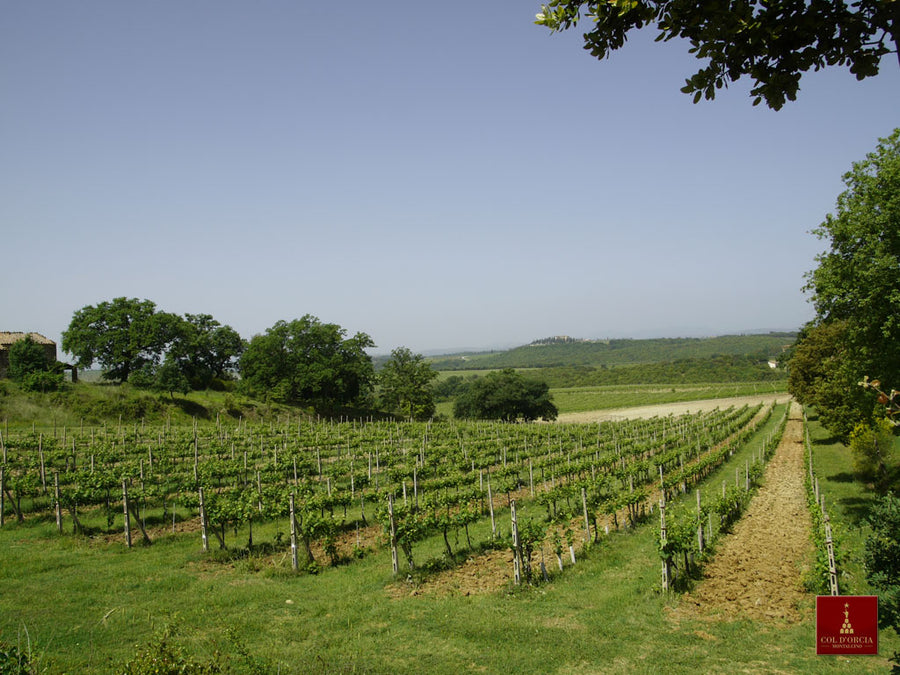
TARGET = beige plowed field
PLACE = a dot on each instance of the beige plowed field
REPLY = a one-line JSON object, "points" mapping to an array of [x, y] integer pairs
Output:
{"points": [[670, 408]]}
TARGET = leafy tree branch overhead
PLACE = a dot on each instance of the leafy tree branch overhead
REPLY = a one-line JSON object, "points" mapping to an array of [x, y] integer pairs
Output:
{"points": [[772, 42]]}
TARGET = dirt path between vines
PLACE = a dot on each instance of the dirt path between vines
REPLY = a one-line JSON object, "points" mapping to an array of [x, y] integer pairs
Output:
{"points": [[757, 572]]}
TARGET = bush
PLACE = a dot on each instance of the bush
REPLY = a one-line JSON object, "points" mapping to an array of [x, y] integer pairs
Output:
{"points": [[874, 455], [882, 558], [43, 381], [26, 357], [13, 661], [164, 657], [143, 378]]}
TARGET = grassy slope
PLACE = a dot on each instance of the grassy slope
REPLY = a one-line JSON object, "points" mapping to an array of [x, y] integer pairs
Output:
{"points": [[85, 604], [92, 403]]}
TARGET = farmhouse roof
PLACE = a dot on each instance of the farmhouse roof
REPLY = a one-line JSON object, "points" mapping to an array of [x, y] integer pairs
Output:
{"points": [[8, 338]]}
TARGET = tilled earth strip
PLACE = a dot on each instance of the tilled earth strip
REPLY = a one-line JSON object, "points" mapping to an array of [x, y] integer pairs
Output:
{"points": [[757, 571]]}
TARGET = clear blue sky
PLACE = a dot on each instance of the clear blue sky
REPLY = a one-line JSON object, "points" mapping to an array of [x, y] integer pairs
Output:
{"points": [[437, 175]]}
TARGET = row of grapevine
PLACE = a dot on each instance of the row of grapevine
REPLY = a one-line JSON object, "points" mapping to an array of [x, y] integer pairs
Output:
{"points": [[686, 533], [340, 475], [828, 560]]}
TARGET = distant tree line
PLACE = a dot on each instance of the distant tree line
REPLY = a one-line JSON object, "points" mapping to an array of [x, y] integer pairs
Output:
{"points": [[718, 368], [621, 352], [304, 362]]}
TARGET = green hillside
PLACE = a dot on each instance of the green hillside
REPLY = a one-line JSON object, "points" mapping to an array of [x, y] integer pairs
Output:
{"points": [[554, 353]]}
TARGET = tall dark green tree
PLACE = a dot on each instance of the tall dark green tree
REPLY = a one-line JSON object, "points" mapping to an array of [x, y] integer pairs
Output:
{"points": [[856, 293], [406, 385], [122, 335], [307, 361], [204, 349], [170, 378], [505, 395], [773, 42]]}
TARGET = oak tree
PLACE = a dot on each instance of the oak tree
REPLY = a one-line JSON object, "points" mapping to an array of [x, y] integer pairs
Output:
{"points": [[505, 395], [122, 335], [406, 385], [773, 42], [307, 361]]}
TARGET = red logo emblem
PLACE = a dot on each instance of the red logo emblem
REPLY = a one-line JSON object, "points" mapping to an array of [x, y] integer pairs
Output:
{"points": [[846, 624]]}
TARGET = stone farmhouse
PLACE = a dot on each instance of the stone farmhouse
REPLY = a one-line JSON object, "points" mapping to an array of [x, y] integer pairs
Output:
{"points": [[8, 339]]}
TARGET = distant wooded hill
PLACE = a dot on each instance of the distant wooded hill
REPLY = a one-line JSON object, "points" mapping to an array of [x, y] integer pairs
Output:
{"points": [[625, 352]]}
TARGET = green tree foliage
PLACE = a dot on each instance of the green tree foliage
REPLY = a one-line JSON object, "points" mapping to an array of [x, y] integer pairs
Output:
{"points": [[622, 352], [170, 378], [205, 350], [122, 335], [820, 373], [29, 365], [856, 293], [773, 42], [882, 559], [450, 387], [721, 368], [505, 395], [307, 361], [874, 454], [406, 385], [25, 357]]}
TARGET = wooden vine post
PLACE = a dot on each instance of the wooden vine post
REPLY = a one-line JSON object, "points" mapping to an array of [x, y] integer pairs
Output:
{"points": [[491, 507], [699, 525], [587, 522], [127, 514], [57, 502], [395, 563], [517, 549], [832, 567], [662, 542], [203, 534], [43, 470], [295, 563], [2, 490]]}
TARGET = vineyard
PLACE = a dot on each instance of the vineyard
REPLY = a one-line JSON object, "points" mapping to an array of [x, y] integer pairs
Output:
{"points": [[327, 479], [385, 506]]}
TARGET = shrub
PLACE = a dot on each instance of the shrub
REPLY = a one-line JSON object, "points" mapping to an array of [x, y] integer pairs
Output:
{"points": [[874, 454], [43, 381], [143, 378], [14, 661], [164, 657], [882, 558]]}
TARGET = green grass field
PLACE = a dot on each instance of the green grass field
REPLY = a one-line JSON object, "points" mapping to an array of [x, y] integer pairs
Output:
{"points": [[87, 605], [582, 399]]}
